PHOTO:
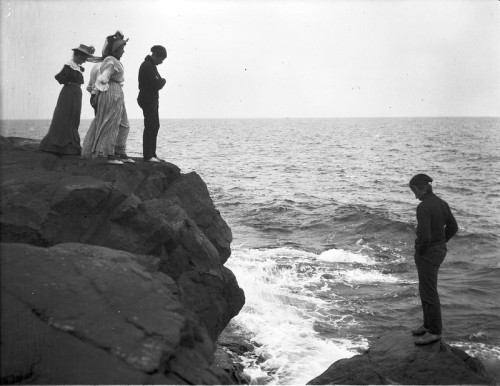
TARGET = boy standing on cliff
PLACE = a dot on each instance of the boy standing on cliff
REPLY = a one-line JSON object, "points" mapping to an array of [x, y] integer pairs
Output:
{"points": [[436, 226], [150, 82]]}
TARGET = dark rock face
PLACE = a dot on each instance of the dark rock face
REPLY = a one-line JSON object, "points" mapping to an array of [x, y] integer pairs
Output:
{"points": [[144, 209], [72, 312], [394, 359]]}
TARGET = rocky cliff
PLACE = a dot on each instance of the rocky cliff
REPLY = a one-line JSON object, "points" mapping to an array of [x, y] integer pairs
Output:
{"points": [[115, 275], [394, 359], [110, 273]]}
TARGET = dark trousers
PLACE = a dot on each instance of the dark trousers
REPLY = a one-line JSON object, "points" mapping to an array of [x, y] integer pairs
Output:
{"points": [[427, 267], [151, 127]]}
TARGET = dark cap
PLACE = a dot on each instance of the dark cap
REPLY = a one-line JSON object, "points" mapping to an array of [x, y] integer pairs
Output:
{"points": [[159, 51], [420, 179]]}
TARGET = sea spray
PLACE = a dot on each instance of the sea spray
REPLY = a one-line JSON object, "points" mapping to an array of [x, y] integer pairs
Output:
{"points": [[285, 316]]}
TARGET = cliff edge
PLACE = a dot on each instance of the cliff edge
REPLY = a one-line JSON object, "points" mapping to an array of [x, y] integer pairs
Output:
{"points": [[110, 273]]}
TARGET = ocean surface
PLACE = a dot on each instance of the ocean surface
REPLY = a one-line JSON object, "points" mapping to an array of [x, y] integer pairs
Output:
{"points": [[323, 224]]}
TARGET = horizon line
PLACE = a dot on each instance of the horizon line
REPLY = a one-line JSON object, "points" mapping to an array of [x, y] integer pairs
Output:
{"points": [[305, 117]]}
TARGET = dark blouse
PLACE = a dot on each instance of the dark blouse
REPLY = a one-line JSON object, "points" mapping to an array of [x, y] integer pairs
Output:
{"points": [[67, 74]]}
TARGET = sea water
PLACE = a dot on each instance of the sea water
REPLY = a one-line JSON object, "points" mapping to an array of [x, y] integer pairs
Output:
{"points": [[323, 224]]}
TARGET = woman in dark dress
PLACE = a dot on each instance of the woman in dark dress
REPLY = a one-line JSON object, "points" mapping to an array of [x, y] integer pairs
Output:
{"points": [[63, 137]]}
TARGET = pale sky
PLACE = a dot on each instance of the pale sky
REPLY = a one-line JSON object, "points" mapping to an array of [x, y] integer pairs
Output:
{"points": [[266, 58]]}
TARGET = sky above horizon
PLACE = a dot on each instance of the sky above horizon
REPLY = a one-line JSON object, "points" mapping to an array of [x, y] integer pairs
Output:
{"points": [[266, 58]]}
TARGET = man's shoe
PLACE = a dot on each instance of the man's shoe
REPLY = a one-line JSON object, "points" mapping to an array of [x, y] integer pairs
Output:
{"points": [[427, 338], [128, 160], [419, 331], [153, 159]]}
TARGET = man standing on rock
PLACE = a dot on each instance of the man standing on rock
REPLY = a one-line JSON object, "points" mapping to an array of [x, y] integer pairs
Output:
{"points": [[150, 82], [436, 225]]}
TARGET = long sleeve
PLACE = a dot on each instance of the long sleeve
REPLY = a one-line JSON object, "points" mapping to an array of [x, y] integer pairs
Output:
{"points": [[151, 79], [451, 227], [154, 80], [67, 74], [424, 235], [62, 76], [102, 81], [436, 223], [93, 77], [111, 70]]}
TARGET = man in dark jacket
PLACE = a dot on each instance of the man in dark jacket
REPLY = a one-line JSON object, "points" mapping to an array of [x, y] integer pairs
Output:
{"points": [[436, 226], [150, 82]]}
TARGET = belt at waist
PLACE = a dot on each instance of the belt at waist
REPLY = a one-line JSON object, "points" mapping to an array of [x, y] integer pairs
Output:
{"points": [[73, 84]]}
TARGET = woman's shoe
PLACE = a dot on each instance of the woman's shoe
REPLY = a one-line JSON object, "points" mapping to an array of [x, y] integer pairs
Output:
{"points": [[128, 160], [114, 162]]}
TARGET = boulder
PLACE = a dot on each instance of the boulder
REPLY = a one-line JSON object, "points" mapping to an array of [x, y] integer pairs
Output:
{"points": [[83, 314], [395, 359], [143, 208]]}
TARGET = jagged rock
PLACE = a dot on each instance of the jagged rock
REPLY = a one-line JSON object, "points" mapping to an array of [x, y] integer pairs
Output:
{"points": [[395, 359], [143, 208], [82, 314], [232, 345], [229, 363]]}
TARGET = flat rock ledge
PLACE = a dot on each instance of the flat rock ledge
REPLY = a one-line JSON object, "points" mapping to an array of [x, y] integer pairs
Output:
{"points": [[394, 359], [111, 274]]}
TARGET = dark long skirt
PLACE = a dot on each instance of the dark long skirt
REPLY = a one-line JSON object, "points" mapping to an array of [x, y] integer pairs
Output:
{"points": [[63, 137]]}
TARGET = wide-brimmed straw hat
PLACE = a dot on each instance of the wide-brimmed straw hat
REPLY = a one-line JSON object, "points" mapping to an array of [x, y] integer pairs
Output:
{"points": [[117, 44], [112, 43], [87, 50]]}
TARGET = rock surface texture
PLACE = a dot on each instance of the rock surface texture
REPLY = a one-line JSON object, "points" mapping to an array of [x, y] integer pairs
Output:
{"points": [[395, 359], [110, 273]]}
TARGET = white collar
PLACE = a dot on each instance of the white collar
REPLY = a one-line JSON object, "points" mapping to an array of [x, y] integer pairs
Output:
{"points": [[74, 66]]}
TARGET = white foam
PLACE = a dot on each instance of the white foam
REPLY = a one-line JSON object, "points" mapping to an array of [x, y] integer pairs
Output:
{"points": [[275, 253], [480, 350], [367, 276], [290, 351], [342, 256], [280, 313]]}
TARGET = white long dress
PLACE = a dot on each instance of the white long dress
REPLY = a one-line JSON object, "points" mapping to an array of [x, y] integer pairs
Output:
{"points": [[109, 130]]}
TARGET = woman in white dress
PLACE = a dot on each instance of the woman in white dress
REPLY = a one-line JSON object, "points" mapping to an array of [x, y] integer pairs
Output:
{"points": [[107, 135]]}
